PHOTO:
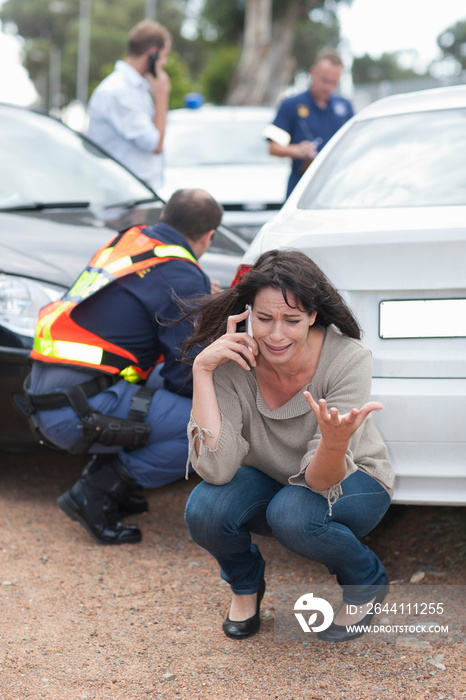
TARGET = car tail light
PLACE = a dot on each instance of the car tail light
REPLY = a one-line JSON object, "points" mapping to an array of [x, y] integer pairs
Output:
{"points": [[242, 269]]}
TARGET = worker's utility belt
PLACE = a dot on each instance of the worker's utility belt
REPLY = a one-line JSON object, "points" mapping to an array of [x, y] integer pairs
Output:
{"points": [[130, 433]]}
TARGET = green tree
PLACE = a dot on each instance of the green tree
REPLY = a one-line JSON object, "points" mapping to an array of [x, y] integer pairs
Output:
{"points": [[312, 35], [452, 42], [277, 37], [222, 21], [366, 69], [217, 75], [50, 28], [180, 78], [245, 51]]}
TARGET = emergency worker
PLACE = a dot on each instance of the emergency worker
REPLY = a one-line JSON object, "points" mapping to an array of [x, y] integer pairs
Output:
{"points": [[94, 346], [305, 122]]}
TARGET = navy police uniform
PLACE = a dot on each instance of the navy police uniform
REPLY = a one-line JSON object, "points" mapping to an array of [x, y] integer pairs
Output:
{"points": [[304, 120]]}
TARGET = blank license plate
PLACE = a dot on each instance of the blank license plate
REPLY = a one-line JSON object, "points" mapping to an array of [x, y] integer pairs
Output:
{"points": [[423, 318]]}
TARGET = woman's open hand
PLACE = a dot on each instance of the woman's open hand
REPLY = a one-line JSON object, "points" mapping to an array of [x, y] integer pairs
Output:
{"points": [[233, 345], [336, 429]]}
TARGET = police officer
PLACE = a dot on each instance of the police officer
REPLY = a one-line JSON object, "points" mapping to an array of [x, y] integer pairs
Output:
{"points": [[305, 122], [93, 347]]}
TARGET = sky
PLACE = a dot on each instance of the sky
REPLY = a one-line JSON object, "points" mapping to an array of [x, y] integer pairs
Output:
{"points": [[378, 26], [15, 85], [369, 26]]}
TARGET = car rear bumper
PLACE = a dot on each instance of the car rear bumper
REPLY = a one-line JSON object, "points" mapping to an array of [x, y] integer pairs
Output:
{"points": [[423, 426]]}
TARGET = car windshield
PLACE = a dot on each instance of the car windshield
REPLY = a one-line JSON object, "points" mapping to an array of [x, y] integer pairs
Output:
{"points": [[70, 168], [217, 143], [410, 160]]}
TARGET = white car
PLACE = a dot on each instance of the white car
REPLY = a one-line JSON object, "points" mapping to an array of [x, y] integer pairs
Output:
{"points": [[223, 151], [382, 210]]}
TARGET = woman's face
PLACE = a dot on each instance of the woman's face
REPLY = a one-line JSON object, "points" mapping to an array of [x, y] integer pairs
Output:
{"points": [[280, 331]]}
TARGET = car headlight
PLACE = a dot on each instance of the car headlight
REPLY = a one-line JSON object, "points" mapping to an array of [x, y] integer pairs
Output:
{"points": [[20, 301]]}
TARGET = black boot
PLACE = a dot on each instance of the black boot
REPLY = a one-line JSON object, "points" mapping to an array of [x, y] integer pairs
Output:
{"points": [[93, 502], [129, 503], [133, 504]]}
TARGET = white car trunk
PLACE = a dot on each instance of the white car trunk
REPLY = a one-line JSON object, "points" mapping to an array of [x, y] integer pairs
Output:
{"points": [[420, 381]]}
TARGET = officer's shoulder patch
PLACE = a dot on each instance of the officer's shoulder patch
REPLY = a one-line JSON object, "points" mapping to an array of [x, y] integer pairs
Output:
{"points": [[340, 108]]}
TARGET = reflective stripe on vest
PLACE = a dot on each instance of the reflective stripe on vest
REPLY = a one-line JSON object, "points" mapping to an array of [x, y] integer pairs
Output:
{"points": [[60, 349], [59, 339]]}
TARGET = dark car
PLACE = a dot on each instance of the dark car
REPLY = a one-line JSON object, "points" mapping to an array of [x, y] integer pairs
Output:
{"points": [[61, 198]]}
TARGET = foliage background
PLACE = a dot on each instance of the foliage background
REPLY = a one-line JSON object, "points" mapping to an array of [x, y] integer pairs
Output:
{"points": [[208, 48]]}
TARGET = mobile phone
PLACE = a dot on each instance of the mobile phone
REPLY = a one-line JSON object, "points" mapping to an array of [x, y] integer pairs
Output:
{"points": [[249, 327], [153, 58], [248, 321]]}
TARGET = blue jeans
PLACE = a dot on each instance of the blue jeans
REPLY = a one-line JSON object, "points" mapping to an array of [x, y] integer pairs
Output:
{"points": [[162, 460], [221, 519]]}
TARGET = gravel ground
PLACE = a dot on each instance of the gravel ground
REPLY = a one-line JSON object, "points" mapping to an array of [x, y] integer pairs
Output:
{"points": [[86, 622]]}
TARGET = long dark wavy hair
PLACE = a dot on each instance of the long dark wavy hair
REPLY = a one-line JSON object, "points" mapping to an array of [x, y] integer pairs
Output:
{"points": [[288, 270]]}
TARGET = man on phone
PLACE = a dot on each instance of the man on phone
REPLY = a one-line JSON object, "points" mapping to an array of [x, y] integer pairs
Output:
{"points": [[128, 110]]}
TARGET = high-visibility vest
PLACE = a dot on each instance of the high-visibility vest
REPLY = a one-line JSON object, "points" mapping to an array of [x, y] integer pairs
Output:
{"points": [[60, 340]]}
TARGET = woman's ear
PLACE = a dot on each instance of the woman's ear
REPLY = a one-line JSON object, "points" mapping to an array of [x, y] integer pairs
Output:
{"points": [[312, 318]]}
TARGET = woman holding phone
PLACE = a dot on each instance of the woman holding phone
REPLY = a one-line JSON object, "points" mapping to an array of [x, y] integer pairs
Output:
{"points": [[282, 435]]}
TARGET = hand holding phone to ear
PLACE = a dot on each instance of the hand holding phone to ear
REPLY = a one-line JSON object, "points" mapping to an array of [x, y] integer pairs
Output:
{"points": [[160, 86], [152, 63]]}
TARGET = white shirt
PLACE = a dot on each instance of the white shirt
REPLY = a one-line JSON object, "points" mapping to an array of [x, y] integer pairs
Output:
{"points": [[121, 121]]}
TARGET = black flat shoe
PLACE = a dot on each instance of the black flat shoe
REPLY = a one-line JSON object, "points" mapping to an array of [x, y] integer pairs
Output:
{"points": [[343, 633], [246, 628]]}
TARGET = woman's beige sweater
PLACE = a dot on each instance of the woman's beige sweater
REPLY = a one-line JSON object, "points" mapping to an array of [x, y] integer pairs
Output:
{"points": [[281, 442]]}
